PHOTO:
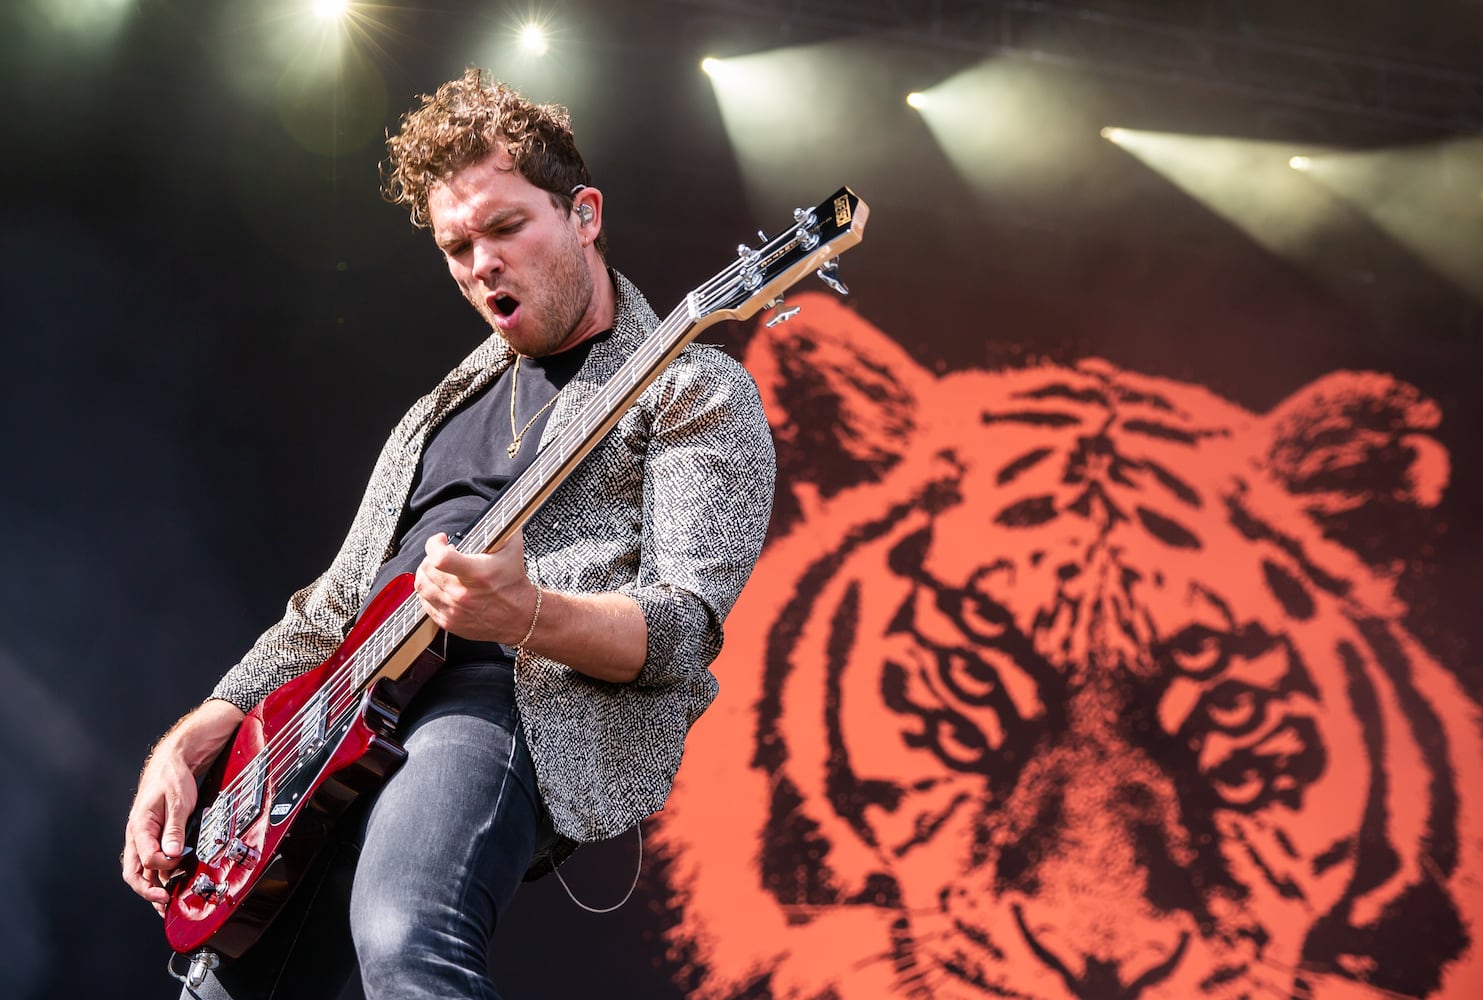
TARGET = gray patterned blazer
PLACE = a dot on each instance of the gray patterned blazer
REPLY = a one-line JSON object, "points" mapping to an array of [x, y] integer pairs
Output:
{"points": [[670, 508]]}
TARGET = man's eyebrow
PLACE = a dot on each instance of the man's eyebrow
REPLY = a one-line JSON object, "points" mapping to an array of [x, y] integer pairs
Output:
{"points": [[492, 221]]}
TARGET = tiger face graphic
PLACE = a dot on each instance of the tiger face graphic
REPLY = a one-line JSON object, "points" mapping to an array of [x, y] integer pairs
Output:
{"points": [[1067, 682]]}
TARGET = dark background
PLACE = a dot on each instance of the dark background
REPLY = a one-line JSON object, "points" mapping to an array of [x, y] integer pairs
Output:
{"points": [[210, 320]]}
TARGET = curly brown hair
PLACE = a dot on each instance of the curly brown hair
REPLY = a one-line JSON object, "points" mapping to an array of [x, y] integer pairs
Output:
{"points": [[465, 121]]}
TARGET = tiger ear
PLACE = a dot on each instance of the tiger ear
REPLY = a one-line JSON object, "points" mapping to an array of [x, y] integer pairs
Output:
{"points": [[841, 396], [1357, 450]]}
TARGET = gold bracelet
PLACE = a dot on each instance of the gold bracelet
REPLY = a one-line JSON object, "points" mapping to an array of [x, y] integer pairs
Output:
{"points": [[533, 619]]}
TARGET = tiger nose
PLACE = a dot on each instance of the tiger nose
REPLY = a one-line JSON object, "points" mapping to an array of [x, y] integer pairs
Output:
{"points": [[1141, 953]]}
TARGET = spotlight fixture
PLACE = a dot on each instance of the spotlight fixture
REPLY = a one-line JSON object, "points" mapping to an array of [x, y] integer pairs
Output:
{"points": [[331, 10], [533, 39], [712, 66], [1114, 134], [1300, 163], [916, 99]]}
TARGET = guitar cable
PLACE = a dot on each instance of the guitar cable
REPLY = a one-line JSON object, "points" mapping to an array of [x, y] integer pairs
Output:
{"points": [[638, 829]]}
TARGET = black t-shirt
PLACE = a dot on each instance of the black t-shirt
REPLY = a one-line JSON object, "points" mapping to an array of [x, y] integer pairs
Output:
{"points": [[467, 465]]}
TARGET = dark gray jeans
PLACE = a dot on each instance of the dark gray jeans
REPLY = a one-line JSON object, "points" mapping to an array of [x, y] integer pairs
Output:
{"points": [[411, 892]]}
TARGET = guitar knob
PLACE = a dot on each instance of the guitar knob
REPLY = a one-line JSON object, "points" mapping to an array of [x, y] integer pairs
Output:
{"points": [[205, 888], [240, 854]]}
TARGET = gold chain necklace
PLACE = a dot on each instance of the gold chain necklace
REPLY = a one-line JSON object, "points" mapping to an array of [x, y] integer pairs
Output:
{"points": [[513, 448]]}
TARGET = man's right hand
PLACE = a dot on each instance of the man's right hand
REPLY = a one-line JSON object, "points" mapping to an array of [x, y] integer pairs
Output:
{"points": [[154, 836]]}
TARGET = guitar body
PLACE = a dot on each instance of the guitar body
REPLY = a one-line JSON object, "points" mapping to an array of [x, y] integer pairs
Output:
{"points": [[279, 807]]}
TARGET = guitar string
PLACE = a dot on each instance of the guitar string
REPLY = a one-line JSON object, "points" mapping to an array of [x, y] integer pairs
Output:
{"points": [[343, 685]]}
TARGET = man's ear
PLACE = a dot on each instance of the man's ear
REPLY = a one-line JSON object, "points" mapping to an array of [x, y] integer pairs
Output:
{"points": [[587, 203]]}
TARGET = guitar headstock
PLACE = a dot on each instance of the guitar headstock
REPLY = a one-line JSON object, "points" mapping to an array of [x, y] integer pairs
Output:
{"points": [[759, 277]]}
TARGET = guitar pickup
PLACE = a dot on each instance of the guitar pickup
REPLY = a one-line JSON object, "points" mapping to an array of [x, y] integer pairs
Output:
{"points": [[314, 727], [250, 806]]}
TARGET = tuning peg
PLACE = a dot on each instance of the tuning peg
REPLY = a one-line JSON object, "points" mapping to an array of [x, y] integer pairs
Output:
{"points": [[783, 316], [829, 275], [806, 228], [751, 280]]}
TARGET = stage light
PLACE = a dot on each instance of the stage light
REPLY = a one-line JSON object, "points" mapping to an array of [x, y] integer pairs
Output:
{"points": [[1254, 185], [1420, 197], [93, 23], [533, 39], [1012, 131], [1114, 134], [916, 99], [805, 118], [1300, 163], [331, 10]]}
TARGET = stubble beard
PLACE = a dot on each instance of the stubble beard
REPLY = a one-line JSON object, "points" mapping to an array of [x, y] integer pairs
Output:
{"points": [[552, 303]]}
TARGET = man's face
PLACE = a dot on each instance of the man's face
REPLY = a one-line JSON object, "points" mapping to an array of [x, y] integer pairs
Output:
{"points": [[517, 257]]}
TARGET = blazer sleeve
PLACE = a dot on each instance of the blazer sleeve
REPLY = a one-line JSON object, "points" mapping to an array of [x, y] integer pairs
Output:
{"points": [[709, 473]]}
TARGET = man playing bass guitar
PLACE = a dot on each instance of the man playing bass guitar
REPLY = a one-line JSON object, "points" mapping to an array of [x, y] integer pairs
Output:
{"points": [[577, 652]]}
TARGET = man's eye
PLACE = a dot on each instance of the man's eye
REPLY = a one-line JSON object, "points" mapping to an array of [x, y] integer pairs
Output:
{"points": [[455, 250]]}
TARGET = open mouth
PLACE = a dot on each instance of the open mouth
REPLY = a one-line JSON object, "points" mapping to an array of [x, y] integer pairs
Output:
{"points": [[505, 305]]}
